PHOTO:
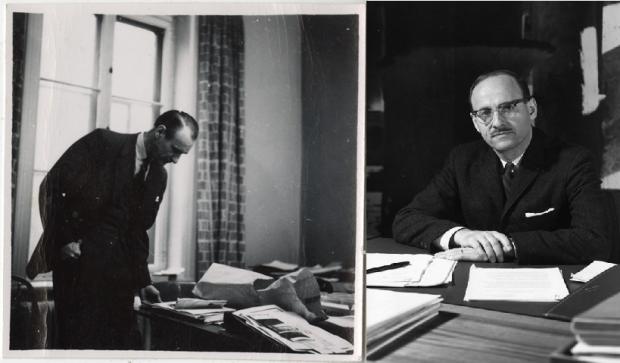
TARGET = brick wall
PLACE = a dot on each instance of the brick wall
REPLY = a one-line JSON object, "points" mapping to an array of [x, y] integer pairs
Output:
{"points": [[220, 148]]}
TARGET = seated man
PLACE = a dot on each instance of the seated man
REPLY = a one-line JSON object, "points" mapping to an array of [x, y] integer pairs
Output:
{"points": [[521, 195]]}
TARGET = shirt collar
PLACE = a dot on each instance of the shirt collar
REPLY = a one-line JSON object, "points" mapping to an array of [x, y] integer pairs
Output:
{"points": [[140, 148], [515, 162]]}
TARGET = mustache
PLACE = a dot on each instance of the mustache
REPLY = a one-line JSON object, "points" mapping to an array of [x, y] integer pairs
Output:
{"points": [[501, 130]]}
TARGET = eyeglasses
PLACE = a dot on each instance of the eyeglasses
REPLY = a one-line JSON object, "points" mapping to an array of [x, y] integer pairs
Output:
{"points": [[506, 109]]}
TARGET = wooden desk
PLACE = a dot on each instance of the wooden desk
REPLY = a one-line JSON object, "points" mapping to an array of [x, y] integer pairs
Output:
{"points": [[469, 334], [163, 331]]}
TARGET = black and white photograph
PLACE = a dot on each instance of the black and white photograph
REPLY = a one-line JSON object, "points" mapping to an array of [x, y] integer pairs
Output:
{"points": [[492, 181], [182, 176]]}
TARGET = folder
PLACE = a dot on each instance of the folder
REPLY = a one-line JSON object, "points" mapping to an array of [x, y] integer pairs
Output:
{"points": [[596, 290]]}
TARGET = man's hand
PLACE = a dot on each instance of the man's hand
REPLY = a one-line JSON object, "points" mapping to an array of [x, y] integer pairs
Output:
{"points": [[494, 244], [71, 250], [150, 294], [463, 254]]}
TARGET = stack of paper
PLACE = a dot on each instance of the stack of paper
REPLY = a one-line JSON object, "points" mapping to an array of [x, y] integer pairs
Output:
{"points": [[391, 314], [423, 270], [598, 329], [210, 315], [515, 284], [292, 331]]}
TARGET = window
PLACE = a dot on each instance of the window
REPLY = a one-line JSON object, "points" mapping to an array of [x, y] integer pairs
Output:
{"points": [[136, 76], [67, 96], [94, 71]]}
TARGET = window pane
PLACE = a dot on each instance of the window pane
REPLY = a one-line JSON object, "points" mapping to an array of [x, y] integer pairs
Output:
{"points": [[142, 117], [135, 62], [119, 117], [63, 116], [68, 48], [132, 117]]}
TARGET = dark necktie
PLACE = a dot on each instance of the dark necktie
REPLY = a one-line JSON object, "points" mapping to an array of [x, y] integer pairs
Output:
{"points": [[507, 177]]}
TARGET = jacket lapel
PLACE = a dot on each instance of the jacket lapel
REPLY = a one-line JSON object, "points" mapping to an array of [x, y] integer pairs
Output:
{"points": [[531, 164], [125, 167], [489, 172]]}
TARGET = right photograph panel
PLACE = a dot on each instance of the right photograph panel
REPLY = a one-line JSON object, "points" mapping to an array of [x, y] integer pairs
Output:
{"points": [[492, 181]]}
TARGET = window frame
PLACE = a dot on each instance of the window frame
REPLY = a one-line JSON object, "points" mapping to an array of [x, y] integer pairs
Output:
{"points": [[103, 69]]}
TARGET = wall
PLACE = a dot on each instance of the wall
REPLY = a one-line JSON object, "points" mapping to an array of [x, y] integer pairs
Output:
{"points": [[429, 55], [273, 138], [330, 74]]}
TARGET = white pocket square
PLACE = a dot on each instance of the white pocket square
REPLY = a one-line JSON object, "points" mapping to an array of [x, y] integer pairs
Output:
{"points": [[530, 214]]}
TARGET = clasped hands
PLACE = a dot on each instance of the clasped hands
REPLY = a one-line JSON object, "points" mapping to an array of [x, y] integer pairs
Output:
{"points": [[473, 245]]}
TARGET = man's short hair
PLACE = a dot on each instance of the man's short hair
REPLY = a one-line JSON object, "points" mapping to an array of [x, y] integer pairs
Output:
{"points": [[174, 120], [525, 90]]}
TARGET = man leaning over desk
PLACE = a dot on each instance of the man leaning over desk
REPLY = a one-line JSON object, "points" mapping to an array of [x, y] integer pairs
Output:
{"points": [[97, 202], [520, 194]]}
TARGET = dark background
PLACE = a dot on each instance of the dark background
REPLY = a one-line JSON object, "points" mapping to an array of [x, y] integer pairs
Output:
{"points": [[422, 58]]}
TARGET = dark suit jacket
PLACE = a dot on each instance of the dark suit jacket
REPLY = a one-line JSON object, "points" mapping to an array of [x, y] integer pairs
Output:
{"points": [[468, 192], [86, 195]]}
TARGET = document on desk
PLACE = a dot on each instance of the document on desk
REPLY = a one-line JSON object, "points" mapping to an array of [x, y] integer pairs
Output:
{"points": [[292, 330], [423, 270], [515, 284]]}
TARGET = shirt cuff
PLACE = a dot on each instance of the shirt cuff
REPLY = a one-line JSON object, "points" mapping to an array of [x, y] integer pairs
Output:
{"points": [[444, 241], [514, 246]]}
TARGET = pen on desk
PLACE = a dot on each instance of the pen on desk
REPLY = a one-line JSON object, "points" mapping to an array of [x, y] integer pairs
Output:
{"points": [[388, 267]]}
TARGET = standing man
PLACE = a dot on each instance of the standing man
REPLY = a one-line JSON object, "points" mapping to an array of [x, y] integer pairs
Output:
{"points": [[517, 194], [97, 203]]}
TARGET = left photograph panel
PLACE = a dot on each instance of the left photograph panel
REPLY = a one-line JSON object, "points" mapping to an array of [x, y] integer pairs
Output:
{"points": [[184, 181]]}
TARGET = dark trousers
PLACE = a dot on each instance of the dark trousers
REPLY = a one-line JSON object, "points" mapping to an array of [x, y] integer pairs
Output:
{"points": [[94, 300]]}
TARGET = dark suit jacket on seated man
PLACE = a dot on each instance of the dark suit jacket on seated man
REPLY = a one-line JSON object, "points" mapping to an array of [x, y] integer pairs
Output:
{"points": [[546, 209], [97, 203]]}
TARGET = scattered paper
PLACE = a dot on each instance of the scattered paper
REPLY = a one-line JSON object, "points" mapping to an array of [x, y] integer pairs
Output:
{"points": [[591, 271], [515, 284], [236, 285], [297, 292], [193, 303], [291, 330], [583, 348], [423, 270], [163, 305], [332, 267], [375, 260], [279, 265]]}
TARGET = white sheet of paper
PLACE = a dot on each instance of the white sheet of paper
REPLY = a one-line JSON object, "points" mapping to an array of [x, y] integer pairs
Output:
{"points": [[424, 270], [591, 271], [284, 266], [515, 284], [374, 260], [583, 348]]}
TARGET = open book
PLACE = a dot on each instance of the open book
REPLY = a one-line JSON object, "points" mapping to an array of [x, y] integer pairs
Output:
{"points": [[291, 330]]}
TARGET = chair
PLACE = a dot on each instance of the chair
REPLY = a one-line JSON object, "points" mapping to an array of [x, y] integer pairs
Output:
{"points": [[32, 320]]}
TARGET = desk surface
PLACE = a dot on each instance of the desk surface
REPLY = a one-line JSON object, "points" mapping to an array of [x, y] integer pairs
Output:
{"points": [[471, 334]]}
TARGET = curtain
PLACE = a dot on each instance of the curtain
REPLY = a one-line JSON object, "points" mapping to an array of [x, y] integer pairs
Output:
{"points": [[220, 144]]}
